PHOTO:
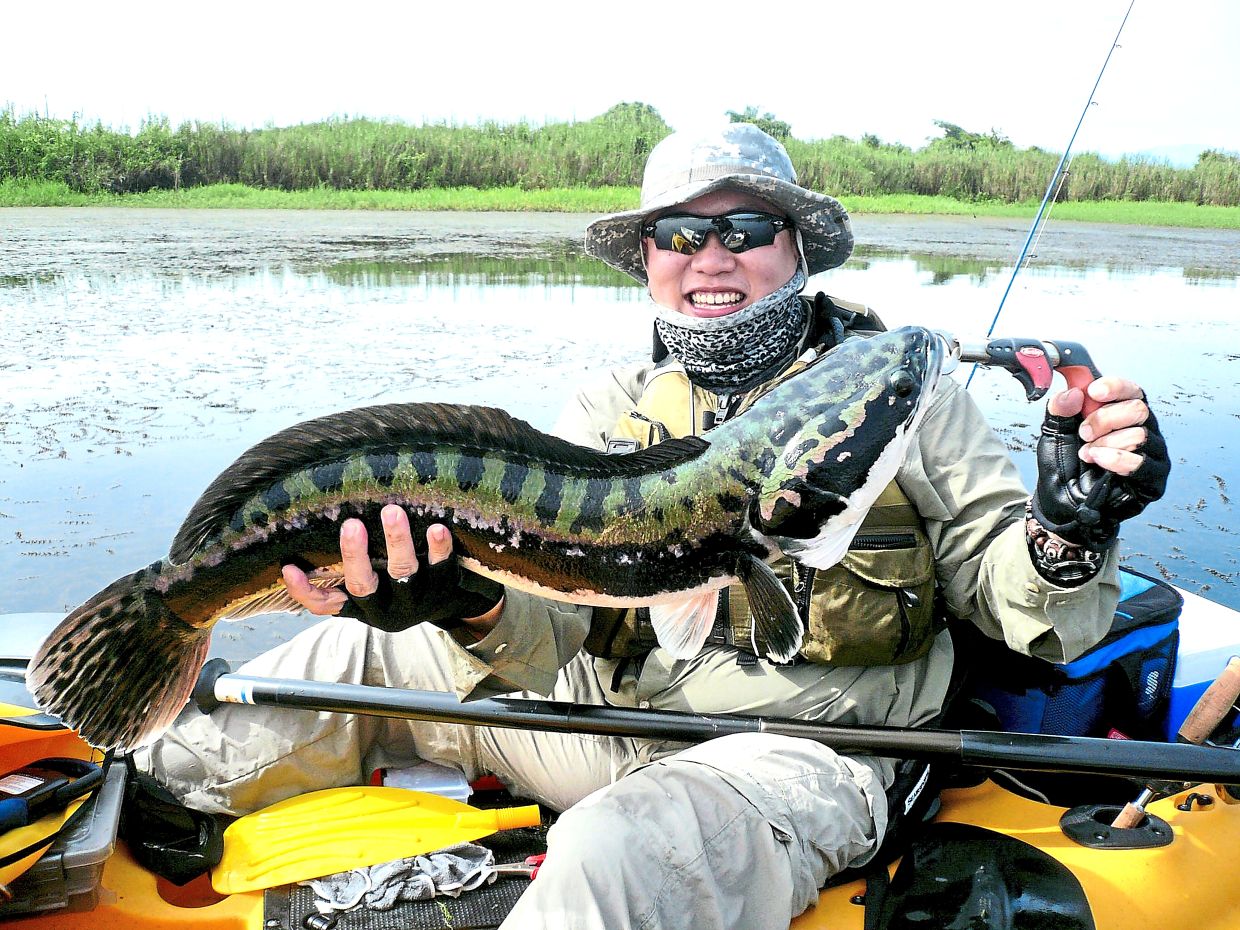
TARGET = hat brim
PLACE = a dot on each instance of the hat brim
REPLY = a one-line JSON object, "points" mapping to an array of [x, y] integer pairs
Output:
{"points": [[821, 220]]}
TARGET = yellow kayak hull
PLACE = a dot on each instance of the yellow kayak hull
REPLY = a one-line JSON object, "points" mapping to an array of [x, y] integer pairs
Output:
{"points": [[1192, 882]]}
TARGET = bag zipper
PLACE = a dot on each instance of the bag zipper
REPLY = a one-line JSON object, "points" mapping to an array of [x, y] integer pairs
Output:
{"points": [[871, 542]]}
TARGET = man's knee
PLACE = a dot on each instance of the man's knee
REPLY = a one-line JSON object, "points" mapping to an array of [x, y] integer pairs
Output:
{"points": [[672, 832], [810, 812]]}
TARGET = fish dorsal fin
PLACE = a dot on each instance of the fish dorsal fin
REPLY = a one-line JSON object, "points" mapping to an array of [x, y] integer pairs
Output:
{"points": [[388, 427]]}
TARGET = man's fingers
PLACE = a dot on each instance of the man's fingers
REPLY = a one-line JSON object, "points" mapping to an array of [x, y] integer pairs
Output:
{"points": [[401, 558], [359, 575], [438, 543], [1129, 440], [319, 601], [1117, 460], [1114, 417], [1109, 389], [1066, 403]]}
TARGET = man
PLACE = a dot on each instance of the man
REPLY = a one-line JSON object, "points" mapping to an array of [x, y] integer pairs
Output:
{"points": [[740, 831]]}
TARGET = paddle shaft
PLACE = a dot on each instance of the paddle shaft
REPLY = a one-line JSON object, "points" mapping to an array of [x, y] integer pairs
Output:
{"points": [[1025, 752]]}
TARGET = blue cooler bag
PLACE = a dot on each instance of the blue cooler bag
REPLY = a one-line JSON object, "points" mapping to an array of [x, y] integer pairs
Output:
{"points": [[1119, 688]]}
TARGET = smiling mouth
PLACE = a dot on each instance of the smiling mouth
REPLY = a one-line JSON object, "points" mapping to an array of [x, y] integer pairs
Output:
{"points": [[715, 300]]}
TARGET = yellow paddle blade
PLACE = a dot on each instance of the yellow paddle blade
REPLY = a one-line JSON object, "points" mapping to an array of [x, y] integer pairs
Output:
{"points": [[338, 829]]}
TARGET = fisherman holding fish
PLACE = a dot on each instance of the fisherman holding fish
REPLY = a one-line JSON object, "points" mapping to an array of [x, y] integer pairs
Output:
{"points": [[743, 830]]}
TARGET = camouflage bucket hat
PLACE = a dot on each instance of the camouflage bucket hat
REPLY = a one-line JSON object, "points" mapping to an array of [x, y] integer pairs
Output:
{"points": [[737, 156]]}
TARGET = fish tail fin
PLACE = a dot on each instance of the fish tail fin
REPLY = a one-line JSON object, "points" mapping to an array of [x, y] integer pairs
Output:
{"points": [[682, 626], [121, 667], [776, 621]]}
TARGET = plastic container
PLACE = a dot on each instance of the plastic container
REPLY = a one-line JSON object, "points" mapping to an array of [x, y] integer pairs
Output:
{"points": [[1209, 637], [68, 875], [430, 777]]}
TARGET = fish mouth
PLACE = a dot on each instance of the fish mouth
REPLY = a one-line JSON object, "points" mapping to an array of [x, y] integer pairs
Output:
{"points": [[936, 355], [925, 362]]}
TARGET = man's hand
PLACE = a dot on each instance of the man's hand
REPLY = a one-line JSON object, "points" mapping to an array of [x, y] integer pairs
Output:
{"points": [[1092, 474], [407, 593]]}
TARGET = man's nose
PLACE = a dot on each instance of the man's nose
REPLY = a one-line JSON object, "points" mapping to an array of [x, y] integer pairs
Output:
{"points": [[713, 256]]}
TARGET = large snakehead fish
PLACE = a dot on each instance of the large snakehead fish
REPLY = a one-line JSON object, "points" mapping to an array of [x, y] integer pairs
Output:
{"points": [[667, 527]]}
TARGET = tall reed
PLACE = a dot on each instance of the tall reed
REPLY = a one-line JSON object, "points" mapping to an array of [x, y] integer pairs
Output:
{"points": [[609, 150]]}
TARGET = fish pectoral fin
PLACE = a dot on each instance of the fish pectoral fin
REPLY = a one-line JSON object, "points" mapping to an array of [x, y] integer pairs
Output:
{"points": [[276, 599], [682, 626], [822, 551], [775, 617]]}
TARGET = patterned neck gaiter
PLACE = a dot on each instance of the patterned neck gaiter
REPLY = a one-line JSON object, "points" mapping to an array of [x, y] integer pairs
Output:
{"points": [[737, 352]]}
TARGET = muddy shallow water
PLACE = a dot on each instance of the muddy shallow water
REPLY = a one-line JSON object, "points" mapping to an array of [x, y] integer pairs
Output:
{"points": [[144, 350]]}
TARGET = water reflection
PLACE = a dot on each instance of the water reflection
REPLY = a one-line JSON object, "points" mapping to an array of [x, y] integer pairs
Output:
{"points": [[942, 269], [939, 269], [138, 362], [569, 267]]}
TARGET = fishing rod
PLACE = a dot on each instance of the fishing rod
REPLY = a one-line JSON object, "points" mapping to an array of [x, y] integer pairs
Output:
{"points": [[1052, 187], [1175, 762]]}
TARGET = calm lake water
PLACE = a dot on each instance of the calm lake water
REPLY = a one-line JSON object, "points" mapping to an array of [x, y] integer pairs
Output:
{"points": [[144, 350]]}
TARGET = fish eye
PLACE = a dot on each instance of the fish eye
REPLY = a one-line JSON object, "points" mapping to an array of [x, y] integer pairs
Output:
{"points": [[902, 382]]}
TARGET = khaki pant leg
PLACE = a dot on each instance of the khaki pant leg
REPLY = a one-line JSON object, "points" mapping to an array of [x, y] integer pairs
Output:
{"points": [[559, 769], [739, 832], [241, 758]]}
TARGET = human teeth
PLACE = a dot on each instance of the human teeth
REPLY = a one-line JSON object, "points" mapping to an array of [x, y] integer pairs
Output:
{"points": [[717, 300]]}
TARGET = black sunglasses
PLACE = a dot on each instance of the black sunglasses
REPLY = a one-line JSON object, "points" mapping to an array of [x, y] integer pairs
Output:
{"points": [[739, 231]]}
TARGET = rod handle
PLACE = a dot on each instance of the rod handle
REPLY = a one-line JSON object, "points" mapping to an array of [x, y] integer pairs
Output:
{"points": [[1131, 816], [1213, 705], [1078, 376], [1078, 369]]}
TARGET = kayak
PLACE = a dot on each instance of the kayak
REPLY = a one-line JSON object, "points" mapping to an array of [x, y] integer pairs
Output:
{"points": [[1000, 851]]}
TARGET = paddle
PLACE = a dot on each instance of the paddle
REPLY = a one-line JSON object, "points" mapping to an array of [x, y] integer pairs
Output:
{"points": [[1027, 752], [338, 829]]}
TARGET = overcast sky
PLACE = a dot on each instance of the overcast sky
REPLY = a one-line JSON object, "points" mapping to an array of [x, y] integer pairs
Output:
{"points": [[888, 68]]}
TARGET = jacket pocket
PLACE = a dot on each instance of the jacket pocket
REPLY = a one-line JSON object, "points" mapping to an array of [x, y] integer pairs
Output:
{"points": [[876, 607]]}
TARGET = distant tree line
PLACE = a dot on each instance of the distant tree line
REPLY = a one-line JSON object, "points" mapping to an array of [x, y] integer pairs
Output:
{"points": [[609, 150]]}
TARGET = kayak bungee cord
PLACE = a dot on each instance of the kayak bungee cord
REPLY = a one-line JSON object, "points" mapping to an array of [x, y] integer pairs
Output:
{"points": [[1057, 177]]}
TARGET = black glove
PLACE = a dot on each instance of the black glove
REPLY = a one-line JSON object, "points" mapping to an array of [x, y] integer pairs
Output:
{"points": [[443, 594], [1084, 504]]}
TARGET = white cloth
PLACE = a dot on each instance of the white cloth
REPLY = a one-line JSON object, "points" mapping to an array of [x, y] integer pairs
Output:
{"points": [[381, 887]]}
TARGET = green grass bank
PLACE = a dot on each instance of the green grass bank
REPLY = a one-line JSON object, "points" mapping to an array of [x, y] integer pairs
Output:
{"points": [[586, 200], [588, 166]]}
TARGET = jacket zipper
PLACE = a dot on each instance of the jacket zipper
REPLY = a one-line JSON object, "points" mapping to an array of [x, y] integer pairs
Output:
{"points": [[872, 542]]}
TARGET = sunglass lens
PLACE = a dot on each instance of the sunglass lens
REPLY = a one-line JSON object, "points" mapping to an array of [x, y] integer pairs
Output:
{"points": [[682, 238], [739, 232], [751, 230], [735, 239]]}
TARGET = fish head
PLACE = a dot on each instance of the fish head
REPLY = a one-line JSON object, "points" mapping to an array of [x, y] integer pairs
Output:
{"points": [[838, 432]]}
